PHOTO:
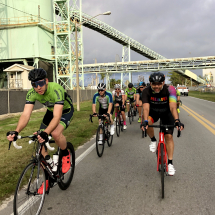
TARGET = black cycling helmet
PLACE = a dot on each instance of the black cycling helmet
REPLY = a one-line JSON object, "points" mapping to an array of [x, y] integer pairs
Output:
{"points": [[157, 77], [101, 86], [37, 74], [130, 85]]}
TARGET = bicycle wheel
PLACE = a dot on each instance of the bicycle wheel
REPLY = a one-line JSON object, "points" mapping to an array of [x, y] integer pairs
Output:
{"points": [[26, 197], [121, 124], [162, 170], [130, 117], [118, 126], [109, 137], [66, 178], [132, 113], [100, 147]]}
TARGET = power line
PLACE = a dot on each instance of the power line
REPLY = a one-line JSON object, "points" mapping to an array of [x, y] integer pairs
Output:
{"points": [[22, 11]]}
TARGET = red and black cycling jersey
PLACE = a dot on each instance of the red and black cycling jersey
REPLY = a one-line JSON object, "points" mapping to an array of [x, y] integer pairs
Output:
{"points": [[159, 102]]}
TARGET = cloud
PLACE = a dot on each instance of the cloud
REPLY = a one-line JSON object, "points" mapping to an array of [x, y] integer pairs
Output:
{"points": [[174, 29]]}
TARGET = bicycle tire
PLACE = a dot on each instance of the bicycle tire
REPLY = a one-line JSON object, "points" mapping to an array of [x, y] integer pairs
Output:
{"points": [[100, 147], [27, 188], [118, 126], [109, 137], [132, 113], [66, 179], [121, 124], [162, 170], [143, 134], [130, 117]]}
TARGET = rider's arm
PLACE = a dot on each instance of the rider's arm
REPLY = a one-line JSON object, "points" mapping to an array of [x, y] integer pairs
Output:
{"points": [[137, 98], [94, 108], [123, 99], [172, 102], [146, 107], [24, 118], [110, 107]]}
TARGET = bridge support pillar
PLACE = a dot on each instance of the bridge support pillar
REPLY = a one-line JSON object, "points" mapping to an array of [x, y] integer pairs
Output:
{"points": [[126, 57]]}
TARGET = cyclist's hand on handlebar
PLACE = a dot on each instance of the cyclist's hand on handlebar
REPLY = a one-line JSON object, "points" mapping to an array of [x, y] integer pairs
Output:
{"points": [[94, 114], [12, 135], [42, 136], [144, 125], [179, 125], [137, 105]]}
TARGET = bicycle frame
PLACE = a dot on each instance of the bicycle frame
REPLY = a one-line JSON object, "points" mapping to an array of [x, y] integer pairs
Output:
{"points": [[161, 141]]}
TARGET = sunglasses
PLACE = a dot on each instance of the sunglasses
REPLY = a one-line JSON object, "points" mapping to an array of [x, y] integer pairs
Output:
{"points": [[141, 87], [117, 89], [40, 83], [157, 83], [100, 90]]}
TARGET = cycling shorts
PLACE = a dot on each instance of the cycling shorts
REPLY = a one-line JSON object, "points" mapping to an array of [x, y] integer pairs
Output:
{"points": [[130, 100], [104, 111], [166, 119], [65, 120], [120, 104]]}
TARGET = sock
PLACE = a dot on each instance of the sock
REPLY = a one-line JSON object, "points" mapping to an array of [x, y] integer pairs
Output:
{"points": [[169, 161], [65, 152], [153, 139], [115, 114], [124, 122]]}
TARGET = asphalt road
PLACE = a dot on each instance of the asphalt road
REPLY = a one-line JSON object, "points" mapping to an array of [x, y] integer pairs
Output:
{"points": [[125, 180]]}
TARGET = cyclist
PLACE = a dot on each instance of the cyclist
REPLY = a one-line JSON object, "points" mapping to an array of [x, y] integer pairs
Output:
{"points": [[57, 118], [142, 86], [105, 106], [119, 96], [159, 101], [130, 96]]}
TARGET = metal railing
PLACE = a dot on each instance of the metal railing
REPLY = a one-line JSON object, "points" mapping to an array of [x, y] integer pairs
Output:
{"points": [[15, 84]]}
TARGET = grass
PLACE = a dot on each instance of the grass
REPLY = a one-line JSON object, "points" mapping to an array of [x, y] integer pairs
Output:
{"points": [[12, 162], [205, 96]]}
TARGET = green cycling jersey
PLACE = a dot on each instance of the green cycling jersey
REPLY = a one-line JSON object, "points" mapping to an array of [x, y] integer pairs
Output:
{"points": [[178, 93], [55, 94], [130, 93]]}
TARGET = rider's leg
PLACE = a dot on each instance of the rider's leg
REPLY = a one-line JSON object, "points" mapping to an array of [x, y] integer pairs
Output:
{"points": [[59, 138], [169, 145], [150, 132], [128, 105]]}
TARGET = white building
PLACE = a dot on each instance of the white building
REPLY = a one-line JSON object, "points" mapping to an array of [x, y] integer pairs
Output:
{"points": [[209, 76]]}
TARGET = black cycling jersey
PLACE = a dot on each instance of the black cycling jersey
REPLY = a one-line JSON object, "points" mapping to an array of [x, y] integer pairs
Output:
{"points": [[159, 102]]}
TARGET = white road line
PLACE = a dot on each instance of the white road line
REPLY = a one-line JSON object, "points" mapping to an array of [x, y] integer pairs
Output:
{"points": [[84, 154]]}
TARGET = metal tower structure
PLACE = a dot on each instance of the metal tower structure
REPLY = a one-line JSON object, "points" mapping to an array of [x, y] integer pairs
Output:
{"points": [[4, 42], [64, 28]]}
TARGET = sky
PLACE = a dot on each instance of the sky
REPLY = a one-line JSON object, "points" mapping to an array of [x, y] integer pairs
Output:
{"points": [[172, 28]]}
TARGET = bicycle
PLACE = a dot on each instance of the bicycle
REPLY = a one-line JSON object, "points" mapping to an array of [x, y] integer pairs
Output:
{"points": [[131, 111], [162, 162], [27, 199], [119, 121], [104, 126]]}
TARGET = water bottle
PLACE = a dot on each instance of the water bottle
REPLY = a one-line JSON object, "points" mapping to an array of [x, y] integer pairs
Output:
{"points": [[55, 162], [49, 160]]}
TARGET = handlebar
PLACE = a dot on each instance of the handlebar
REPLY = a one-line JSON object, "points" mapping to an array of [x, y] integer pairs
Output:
{"points": [[33, 138], [101, 116], [164, 127]]}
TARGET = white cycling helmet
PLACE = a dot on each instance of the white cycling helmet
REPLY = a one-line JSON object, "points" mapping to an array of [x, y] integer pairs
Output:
{"points": [[117, 86], [101, 86]]}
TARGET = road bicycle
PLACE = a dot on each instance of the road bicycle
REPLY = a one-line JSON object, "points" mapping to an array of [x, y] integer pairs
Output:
{"points": [[119, 121], [162, 161], [39, 173], [104, 129], [131, 111]]}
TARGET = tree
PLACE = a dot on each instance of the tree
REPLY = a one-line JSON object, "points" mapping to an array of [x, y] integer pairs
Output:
{"points": [[113, 82], [140, 78], [103, 77], [176, 79]]}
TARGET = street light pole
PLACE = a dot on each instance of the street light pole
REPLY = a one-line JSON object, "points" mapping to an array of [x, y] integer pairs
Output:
{"points": [[76, 60]]}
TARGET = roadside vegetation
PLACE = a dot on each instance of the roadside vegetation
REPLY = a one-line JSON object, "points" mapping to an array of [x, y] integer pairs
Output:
{"points": [[12, 162], [203, 95]]}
